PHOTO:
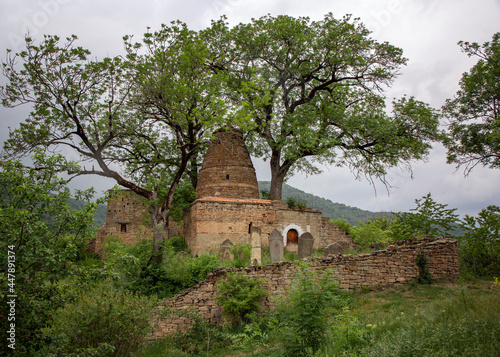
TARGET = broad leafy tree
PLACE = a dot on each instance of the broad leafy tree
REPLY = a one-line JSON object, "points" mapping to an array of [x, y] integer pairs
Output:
{"points": [[41, 239], [428, 219], [314, 90], [474, 129], [139, 120]]}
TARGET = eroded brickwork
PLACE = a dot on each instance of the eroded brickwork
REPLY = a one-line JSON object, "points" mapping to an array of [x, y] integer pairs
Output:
{"points": [[127, 219], [392, 267], [227, 170]]}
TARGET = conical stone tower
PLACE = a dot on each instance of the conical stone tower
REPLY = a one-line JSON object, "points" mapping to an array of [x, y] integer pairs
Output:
{"points": [[227, 171]]}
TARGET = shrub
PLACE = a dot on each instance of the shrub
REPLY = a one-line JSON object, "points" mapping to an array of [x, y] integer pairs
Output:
{"points": [[480, 246], [365, 234], [101, 322], [303, 316], [240, 296], [424, 275], [291, 202], [242, 254]]}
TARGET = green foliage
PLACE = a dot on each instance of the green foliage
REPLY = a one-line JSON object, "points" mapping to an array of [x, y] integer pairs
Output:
{"points": [[480, 245], [424, 274], [100, 322], [302, 317], [184, 195], [473, 136], [176, 244], [239, 296], [371, 232], [201, 339], [241, 254], [43, 235], [429, 219], [164, 279], [291, 202], [441, 324], [265, 194], [149, 113], [313, 90]]}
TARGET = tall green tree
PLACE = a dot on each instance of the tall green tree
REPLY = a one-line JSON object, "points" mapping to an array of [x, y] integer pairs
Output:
{"points": [[41, 239], [473, 135], [139, 120], [428, 219], [314, 90]]}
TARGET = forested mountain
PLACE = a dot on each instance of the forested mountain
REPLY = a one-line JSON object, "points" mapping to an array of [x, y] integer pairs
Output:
{"points": [[330, 209]]}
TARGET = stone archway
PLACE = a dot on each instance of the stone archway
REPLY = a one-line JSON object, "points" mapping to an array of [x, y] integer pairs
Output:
{"points": [[291, 226]]}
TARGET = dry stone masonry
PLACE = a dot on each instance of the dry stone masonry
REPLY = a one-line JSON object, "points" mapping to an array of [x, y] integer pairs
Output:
{"points": [[392, 267]]}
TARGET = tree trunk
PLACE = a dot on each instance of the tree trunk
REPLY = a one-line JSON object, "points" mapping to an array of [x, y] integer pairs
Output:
{"points": [[278, 173], [159, 223]]}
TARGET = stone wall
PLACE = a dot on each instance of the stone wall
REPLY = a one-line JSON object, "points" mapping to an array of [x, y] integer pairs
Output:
{"points": [[392, 267], [127, 219], [211, 221]]}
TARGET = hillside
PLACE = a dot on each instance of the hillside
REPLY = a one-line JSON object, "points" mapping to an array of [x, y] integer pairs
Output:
{"points": [[330, 209]]}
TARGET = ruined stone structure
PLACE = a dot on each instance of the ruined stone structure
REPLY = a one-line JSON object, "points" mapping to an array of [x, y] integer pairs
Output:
{"points": [[227, 170], [392, 267], [228, 206]]}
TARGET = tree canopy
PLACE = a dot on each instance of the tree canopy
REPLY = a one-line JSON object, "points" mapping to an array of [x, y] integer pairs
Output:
{"points": [[314, 91], [139, 120], [473, 136]]}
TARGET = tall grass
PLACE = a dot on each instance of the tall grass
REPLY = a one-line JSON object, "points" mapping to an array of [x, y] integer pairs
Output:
{"points": [[431, 321]]}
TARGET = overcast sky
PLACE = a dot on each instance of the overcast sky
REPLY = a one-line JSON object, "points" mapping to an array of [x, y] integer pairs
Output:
{"points": [[426, 30]]}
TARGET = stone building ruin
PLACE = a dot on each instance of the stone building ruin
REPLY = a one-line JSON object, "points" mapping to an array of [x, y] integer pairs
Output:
{"points": [[226, 208]]}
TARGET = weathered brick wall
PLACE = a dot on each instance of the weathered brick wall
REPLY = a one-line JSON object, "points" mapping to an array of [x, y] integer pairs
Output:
{"points": [[211, 221], [127, 218], [392, 267], [227, 170]]}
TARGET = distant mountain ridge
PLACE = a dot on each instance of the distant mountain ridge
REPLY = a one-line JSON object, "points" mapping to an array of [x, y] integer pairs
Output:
{"points": [[330, 209]]}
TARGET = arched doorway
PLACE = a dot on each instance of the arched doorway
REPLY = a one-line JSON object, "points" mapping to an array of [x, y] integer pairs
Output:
{"points": [[295, 231], [292, 237]]}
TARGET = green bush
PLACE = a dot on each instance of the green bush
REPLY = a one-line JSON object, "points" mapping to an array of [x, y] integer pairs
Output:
{"points": [[239, 296], [100, 322], [303, 316], [371, 232], [480, 245], [242, 254], [173, 275], [424, 275], [291, 202]]}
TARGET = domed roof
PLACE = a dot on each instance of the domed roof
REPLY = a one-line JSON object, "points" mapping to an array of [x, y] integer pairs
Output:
{"points": [[227, 170]]}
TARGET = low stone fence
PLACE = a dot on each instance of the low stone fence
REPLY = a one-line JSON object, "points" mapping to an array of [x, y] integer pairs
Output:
{"points": [[392, 267]]}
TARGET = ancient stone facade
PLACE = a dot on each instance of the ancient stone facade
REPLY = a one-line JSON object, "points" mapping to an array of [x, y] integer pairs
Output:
{"points": [[228, 205], [393, 267], [127, 219], [212, 220]]}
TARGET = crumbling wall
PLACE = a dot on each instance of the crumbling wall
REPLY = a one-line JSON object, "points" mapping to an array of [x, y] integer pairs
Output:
{"points": [[392, 267]]}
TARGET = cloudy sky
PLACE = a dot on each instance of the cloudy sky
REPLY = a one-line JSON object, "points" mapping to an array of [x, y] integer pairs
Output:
{"points": [[427, 31]]}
